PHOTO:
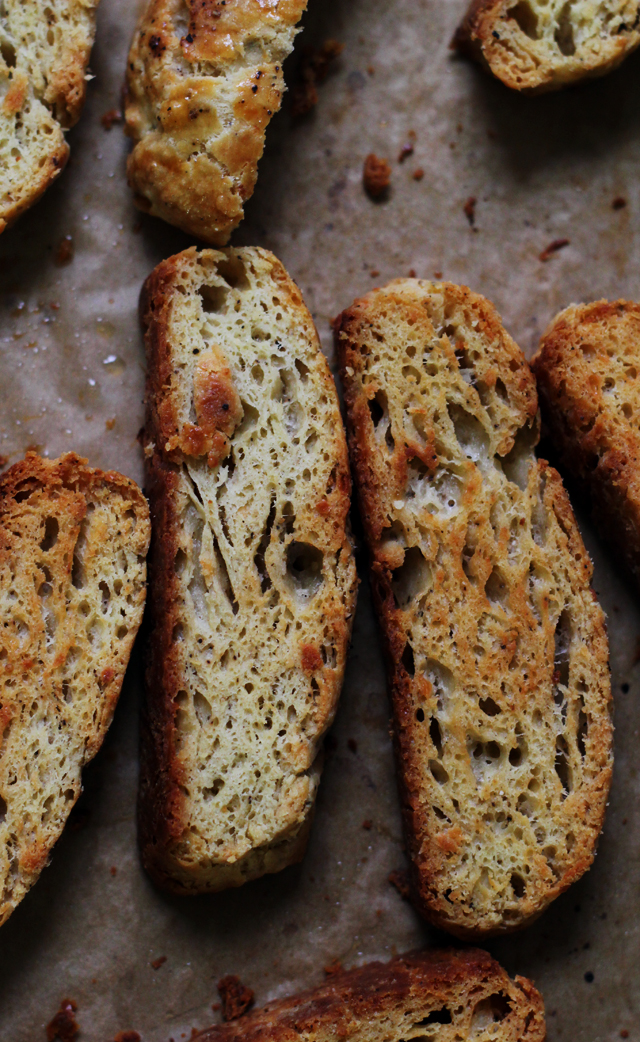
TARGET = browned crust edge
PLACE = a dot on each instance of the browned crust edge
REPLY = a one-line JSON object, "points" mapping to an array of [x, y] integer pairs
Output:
{"points": [[51, 172]]}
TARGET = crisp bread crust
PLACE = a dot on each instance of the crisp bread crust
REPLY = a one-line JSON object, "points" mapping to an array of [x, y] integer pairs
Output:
{"points": [[201, 91], [392, 1001], [587, 370], [165, 773], [381, 481], [73, 543], [530, 50]]}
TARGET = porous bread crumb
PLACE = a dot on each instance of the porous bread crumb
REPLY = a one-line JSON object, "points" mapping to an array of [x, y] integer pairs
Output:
{"points": [[535, 45], [588, 372], [496, 646], [73, 543], [444, 996], [253, 581], [44, 51], [204, 79]]}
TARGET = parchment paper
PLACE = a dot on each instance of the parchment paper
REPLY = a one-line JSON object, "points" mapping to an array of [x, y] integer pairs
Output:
{"points": [[71, 376]]}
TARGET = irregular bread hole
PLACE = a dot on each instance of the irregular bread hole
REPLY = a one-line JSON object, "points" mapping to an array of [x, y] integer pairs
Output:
{"points": [[581, 734], [232, 270], [562, 765], [438, 772], [490, 1011], [304, 567], [439, 493], [249, 419], [518, 884], [213, 789], [202, 709], [303, 370], [180, 562], [225, 578], [562, 652], [420, 715], [489, 707], [408, 660], [437, 1016], [8, 52], [442, 682], [78, 575], [470, 434], [106, 596], [412, 579], [263, 545], [50, 538], [497, 589], [517, 462], [393, 534], [213, 298], [3, 809], [378, 407], [436, 735], [564, 32]]}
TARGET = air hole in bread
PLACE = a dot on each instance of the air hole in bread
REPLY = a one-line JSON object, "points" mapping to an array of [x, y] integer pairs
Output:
{"points": [[489, 707], [439, 493], [470, 434], [437, 1016], [439, 773], [106, 596], [8, 52], [50, 538], [490, 1011], [378, 407], [420, 715], [562, 642], [436, 735], [412, 579], [213, 789], [563, 766], [408, 660], [564, 31], [233, 271], [442, 682], [304, 567], [213, 298], [223, 573], [497, 588], [3, 809], [180, 562], [583, 729], [78, 575], [202, 708], [263, 545], [411, 374], [517, 463]]}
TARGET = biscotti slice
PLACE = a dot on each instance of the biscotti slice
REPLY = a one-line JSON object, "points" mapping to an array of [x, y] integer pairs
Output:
{"points": [[496, 646], [73, 545], [588, 373], [252, 582], [439, 996], [44, 52], [535, 46], [203, 81]]}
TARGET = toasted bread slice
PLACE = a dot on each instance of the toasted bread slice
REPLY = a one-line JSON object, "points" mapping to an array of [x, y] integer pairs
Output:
{"points": [[203, 81], [536, 46], [497, 651], [44, 52], [253, 582], [588, 372], [73, 545], [444, 996]]}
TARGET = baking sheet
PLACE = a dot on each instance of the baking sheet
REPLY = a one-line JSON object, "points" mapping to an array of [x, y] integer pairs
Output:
{"points": [[71, 376]]}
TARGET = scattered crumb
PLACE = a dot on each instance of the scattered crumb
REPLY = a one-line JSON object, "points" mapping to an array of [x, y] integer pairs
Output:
{"points": [[236, 997], [553, 247], [374, 273], [351, 742], [194, 1032], [400, 880], [54, 305], [367, 823], [128, 1036], [469, 209], [376, 176], [157, 963], [64, 251], [437, 274], [314, 69], [64, 1026], [624, 1033], [335, 966], [216, 1007], [113, 870], [110, 424], [418, 174], [618, 203], [109, 118], [371, 69], [406, 151], [412, 273], [3, 461]]}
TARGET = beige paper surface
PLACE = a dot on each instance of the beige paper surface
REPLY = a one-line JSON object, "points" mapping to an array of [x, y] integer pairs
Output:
{"points": [[71, 376]]}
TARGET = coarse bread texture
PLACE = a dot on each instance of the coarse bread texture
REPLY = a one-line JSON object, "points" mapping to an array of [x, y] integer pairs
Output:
{"points": [[536, 46], [439, 996], [253, 582], [588, 373], [44, 52], [204, 78], [73, 545], [496, 646]]}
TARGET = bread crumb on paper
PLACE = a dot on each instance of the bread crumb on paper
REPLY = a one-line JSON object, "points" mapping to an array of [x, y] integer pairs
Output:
{"points": [[110, 117], [64, 1027], [553, 247], [314, 69], [418, 174], [619, 203], [400, 880], [64, 251], [157, 963], [376, 176], [333, 967], [236, 997], [128, 1036], [469, 209]]}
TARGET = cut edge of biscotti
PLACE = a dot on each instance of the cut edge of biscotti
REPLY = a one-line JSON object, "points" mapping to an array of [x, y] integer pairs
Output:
{"points": [[40, 99], [535, 47], [420, 487], [234, 364], [448, 994], [73, 545]]}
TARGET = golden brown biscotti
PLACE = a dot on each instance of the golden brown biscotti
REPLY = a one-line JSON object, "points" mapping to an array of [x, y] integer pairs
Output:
{"points": [[252, 578], [73, 545], [496, 646], [588, 373], [442, 996], [204, 78], [44, 52], [536, 46]]}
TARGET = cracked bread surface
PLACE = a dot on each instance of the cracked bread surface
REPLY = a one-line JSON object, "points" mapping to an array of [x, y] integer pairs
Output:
{"points": [[44, 52], [442, 996], [73, 545], [587, 369], [536, 46], [252, 581], [204, 78], [496, 646]]}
